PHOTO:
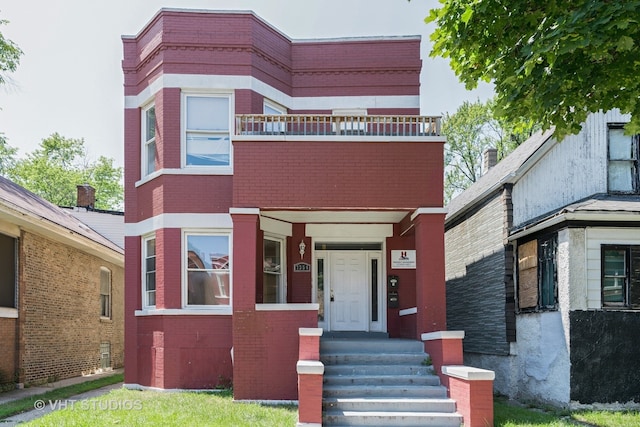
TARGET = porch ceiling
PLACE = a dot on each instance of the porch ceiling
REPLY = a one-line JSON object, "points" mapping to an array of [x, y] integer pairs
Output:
{"points": [[337, 217]]}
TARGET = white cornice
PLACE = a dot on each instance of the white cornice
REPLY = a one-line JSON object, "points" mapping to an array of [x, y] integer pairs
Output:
{"points": [[222, 82]]}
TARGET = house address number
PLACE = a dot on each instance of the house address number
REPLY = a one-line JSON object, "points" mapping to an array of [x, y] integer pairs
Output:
{"points": [[301, 266]]}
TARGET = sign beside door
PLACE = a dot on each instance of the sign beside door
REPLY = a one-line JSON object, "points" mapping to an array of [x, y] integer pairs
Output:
{"points": [[403, 259]]}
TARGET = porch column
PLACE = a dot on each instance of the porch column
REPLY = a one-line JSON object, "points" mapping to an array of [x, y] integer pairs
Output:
{"points": [[243, 265], [430, 277]]}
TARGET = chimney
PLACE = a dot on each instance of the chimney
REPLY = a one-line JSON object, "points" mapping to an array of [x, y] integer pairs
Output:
{"points": [[86, 196], [489, 159]]}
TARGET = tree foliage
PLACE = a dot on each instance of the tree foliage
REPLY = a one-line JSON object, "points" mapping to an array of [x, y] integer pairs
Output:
{"points": [[9, 55], [472, 129], [551, 61], [55, 169]]}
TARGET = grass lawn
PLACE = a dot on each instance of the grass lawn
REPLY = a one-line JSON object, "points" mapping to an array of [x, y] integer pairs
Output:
{"points": [[26, 404], [148, 408], [510, 415]]}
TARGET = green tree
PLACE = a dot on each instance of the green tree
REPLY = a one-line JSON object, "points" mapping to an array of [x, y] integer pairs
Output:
{"points": [[7, 156], [9, 55], [473, 128], [59, 164], [551, 61]]}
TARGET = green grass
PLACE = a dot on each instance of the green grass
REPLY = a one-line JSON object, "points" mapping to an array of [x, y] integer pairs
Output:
{"points": [[509, 415], [149, 408], [26, 404]]}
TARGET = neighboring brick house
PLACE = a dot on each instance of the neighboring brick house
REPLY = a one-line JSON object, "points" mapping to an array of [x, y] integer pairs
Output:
{"points": [[272, 184], [543, 271], [61, 292]]}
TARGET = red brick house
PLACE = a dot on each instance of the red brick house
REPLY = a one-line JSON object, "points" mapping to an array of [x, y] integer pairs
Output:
{"points": [[272, 184]]}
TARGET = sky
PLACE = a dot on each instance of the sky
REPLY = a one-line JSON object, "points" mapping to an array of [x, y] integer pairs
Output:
{"points": [[70, 78]]}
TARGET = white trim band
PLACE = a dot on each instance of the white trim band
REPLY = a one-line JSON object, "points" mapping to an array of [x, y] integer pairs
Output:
{"points": [[8, 313], [223, 311], [443, 335], [287, 307], [179, 220], [468, 373], [310, 332], [428, 211], [217, 82], [408, 311], [244, 211], [309, 367]]}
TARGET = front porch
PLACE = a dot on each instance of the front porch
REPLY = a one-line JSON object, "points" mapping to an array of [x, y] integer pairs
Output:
{"points": [[329, 275]]}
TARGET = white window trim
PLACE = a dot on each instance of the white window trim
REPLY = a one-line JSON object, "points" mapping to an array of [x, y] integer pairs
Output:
{"points": [[145, 239], [205, 309], [282, 286], [144, 173], [274, 127], [208, 170]]}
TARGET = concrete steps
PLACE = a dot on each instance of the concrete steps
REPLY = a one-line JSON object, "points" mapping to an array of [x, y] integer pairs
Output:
{"points": [[382, 382]]}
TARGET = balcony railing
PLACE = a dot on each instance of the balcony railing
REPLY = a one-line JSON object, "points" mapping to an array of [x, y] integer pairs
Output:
{"points": [[334, 125]]}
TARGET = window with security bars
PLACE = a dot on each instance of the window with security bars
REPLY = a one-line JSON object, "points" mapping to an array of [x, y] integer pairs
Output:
{"points": [[105, 355]]}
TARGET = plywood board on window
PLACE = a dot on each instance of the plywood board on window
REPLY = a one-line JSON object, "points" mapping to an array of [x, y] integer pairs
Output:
{"points": [[528, 255], [528, 274]]}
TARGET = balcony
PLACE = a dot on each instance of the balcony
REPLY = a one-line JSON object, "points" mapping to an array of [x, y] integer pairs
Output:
{"points": [[315, 125]]}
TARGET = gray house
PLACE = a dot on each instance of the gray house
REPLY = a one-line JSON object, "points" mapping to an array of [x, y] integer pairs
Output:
{"points": [[543, 267]]}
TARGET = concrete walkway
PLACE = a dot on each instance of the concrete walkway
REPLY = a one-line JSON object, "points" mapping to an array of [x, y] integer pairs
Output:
{"points": [[42, 407]]}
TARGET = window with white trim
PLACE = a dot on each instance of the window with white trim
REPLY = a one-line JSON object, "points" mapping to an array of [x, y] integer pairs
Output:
{"points": [[105, 293], [273, 283], [623, 161], [8, 271], [621, 276], [207, 281], [149, 272], [274, 125], [149, 140], [207, 130]]}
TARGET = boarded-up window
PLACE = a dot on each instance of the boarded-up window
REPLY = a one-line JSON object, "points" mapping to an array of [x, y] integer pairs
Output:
{"points": [[528, 275]]}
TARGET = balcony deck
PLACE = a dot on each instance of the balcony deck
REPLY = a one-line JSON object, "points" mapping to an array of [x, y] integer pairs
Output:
{"points": [[337, 125]]}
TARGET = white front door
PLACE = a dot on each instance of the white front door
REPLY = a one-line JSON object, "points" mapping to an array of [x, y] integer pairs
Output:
{"points": [[348, 296]]}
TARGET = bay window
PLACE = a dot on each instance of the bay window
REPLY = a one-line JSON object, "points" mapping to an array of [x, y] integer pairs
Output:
{"points": [[149, 272], [207, 269], [149, 140], [207, 130]]}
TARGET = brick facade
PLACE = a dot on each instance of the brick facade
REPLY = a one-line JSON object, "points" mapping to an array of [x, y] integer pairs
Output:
{"points": [[176, 344], [59, 311]]}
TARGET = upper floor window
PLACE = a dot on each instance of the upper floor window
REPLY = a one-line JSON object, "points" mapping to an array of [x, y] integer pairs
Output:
{"points": [[207, 130], [8, 262], [623, 161], [621, 276], [537, 274], [149, 140], [105, 293], [149, 272], [272, 109], [207, 269]]}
